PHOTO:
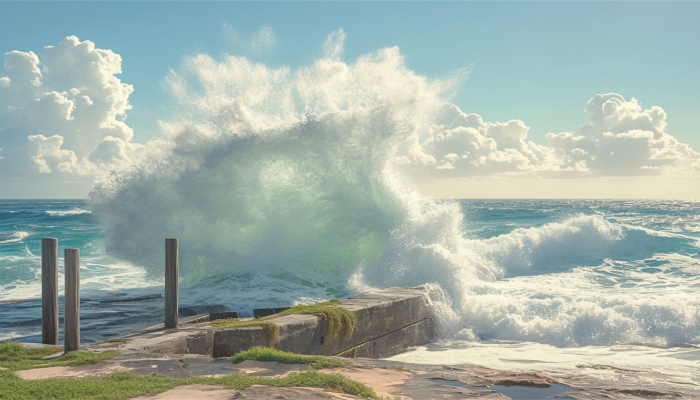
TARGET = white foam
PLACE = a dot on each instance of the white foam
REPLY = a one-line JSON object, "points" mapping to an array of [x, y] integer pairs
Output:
{"points": [[66, 213], [16, 237], [603, 362]]}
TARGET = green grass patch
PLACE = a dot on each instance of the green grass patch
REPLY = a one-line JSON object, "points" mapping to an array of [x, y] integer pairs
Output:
{"points": [[117, 340], [118, 386], [122, 385], [14, 357], [259, 353]]}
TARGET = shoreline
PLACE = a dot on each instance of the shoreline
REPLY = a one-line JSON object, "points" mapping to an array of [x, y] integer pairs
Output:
{"points": [[392, 379], [189, 351]]}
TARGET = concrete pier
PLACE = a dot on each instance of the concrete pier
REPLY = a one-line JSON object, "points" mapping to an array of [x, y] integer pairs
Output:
{"points": [[389, 321]]}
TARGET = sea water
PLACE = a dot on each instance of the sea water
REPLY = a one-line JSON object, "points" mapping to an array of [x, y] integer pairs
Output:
{"points": [[576, 273]]}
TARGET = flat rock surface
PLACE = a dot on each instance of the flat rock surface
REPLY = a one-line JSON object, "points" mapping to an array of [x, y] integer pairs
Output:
{"points": [[389, 379]]}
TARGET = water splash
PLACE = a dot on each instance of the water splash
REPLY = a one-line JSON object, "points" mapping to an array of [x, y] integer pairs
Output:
{"points": [[292, 185]]}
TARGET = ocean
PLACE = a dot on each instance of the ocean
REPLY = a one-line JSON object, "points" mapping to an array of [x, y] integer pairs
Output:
{"points": [[567, 274]]}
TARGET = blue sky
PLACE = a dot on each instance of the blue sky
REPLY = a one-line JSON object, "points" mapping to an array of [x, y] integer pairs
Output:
{"points": [[535, 61], [539, 62]]}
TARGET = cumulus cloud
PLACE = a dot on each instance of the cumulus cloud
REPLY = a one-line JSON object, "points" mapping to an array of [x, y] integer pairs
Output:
{"points": [[621, 138], [62, 111]]}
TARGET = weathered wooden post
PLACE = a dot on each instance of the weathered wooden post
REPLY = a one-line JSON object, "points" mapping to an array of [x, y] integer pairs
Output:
{"points": [[71, 319], [172, 272], [49, 291]]}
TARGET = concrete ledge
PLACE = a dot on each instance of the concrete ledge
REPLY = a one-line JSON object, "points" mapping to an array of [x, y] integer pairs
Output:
{"points": [[227, 342], [378, 314], [389, 321], [396, 342]]}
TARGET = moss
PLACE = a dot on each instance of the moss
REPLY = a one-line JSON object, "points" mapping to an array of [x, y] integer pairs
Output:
{"points": [[351, 352], [271, 328], [339, 322], [259, 353]]}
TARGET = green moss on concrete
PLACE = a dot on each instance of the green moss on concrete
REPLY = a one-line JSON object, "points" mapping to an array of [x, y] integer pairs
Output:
{"points": [[340, 322], [259, 353], [271, 328], [350, 353]]}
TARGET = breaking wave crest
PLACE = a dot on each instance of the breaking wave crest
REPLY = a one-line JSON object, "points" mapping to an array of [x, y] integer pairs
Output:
{"points": [[299, 177], [67, 213], [15, 237]]}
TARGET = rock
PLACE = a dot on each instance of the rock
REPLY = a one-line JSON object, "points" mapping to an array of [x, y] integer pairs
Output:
{"points": [[265, 312], [203, 309], [223, 315]]}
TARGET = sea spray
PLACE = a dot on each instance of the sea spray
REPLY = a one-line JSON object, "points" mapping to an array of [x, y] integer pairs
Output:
{"points": [[294, 185], [287, 173]]}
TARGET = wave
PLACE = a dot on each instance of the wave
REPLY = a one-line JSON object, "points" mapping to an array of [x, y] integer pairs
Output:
{"points": [[293, 184], [16, 237], [582, 240], [66, 213]]}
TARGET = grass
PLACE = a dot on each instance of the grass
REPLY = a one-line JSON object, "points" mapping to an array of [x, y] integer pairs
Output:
{"points": [[118, 386], [121, 385], [259, 353], [339, 322], [117, 340], [14, 357]]}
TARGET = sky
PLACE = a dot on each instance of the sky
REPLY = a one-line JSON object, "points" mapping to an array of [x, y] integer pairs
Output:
{"points": [[551, 68]]}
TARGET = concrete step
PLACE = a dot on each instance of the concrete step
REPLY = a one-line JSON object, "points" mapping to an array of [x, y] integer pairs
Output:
{"points": [[389, 321]]}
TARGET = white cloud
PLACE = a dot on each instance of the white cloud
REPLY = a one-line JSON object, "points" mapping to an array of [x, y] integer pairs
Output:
{"points": [[620, 139], [63, 111]]}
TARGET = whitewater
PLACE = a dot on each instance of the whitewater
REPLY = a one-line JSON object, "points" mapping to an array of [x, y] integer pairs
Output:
{"points": [[288, 186]]}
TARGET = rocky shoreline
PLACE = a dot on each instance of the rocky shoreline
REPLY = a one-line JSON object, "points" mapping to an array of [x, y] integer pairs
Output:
{"points": [[389, 379]]}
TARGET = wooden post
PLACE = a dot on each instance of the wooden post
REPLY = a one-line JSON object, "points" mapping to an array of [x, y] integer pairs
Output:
{"points": [[49, 291], [71, 319], [172, 272]]}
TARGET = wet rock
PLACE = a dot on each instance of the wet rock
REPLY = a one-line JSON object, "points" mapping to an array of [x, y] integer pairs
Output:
{"points": [[201, 309]]}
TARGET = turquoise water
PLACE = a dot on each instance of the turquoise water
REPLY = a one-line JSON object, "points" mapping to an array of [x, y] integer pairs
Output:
{"points": [[593, 272]]}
